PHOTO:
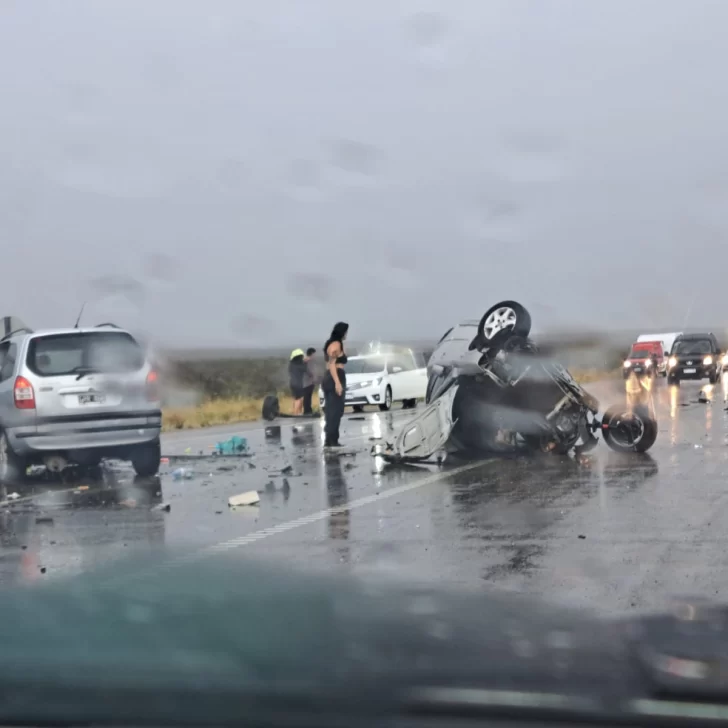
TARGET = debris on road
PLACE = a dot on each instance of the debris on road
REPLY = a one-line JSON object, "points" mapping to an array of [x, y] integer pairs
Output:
{"points": [[44, 519], [249, 498], [233, 446], [13, 496], [581, 535], [182, 474], [287, 470], [703, 397], [166, 507]]}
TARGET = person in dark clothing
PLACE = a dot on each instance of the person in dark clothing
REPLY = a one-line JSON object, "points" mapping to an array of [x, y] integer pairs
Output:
{"points": [[309, 381], [334, 383], [296, 372]]}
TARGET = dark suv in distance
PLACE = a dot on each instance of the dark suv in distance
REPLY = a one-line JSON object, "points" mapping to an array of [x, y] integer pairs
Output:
{"points": [[695, 356]]}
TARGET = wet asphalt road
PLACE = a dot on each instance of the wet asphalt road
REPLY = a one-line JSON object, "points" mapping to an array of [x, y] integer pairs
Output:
{"points": [[620, 533]]}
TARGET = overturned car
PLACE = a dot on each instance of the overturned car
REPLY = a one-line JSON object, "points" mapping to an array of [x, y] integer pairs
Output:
{"points": [[491, 390]]}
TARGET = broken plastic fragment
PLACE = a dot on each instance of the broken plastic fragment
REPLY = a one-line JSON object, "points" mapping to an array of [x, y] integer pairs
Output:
{"points": [[249, 498]]}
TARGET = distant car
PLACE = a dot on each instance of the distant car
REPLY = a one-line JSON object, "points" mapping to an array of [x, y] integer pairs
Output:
{"points": [[645, 358], [695, 356], [382, 379], [76, 396]]}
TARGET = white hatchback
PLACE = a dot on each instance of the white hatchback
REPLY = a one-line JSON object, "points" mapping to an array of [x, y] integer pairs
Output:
{"points": [[381, 379]]}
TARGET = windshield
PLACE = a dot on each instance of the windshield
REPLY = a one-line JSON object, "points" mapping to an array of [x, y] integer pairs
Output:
{"points": [[699, 346], [102, 351], [367, 365], [641, 354]]}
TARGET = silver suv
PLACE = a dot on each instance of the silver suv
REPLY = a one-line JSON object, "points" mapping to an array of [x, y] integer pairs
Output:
{"points": [[76, 395]]}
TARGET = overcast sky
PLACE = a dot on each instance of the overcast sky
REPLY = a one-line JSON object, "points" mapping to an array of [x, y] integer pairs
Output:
{"points": [[248, 172]]}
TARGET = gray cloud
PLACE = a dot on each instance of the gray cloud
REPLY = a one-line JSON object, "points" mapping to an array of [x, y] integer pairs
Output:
{"points": [[569, 154]]}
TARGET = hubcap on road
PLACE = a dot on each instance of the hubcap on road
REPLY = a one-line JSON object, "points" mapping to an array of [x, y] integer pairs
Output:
{"points": [[502, 318]]}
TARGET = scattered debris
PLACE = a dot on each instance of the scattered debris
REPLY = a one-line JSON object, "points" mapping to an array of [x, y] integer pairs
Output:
{"points": [[83, 487], [44, 519], [232, 446], [218, 513], [42, 569], [248, 498], [373, 439], [702, 397], [349, 466], [252, 466], [581, 535], [182, 474], [128, 503], [287, 470], [164, 461], [166, 507], [13, 496], [224, 469], [357, 418]]}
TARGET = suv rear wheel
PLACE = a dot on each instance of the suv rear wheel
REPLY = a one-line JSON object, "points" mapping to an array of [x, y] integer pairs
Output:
{"points": [[145, 459]]}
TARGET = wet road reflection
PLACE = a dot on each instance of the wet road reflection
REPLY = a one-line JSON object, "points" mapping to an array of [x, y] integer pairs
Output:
{"points": [[339, 521]]}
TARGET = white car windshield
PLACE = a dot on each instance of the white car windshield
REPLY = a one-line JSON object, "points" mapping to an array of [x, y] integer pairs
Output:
{"points": [[367, 365]]}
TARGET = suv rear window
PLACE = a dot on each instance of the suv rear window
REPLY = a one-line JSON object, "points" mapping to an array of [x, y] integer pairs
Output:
{"points": [[93, 351]]}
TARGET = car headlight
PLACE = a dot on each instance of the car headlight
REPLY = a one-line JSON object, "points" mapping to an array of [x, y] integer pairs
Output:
{"points": [[672, 361], [648, 363], [708, 360], [627, 364], [725, 358]]}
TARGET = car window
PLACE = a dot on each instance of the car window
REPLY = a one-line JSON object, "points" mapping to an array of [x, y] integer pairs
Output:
{"points": [[403, 361], [102, 351], [695, 346], [8, 356]]}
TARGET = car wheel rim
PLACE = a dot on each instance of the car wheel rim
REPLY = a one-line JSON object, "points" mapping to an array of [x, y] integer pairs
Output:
{"points": [[501, 319], [627, 429], [388, 398]]}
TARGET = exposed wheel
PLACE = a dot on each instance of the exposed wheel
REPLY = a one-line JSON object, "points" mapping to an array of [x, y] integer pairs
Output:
{"points": [[12, 466], [271, 408], [505, 319], [409, 404], [629, 431], [387, 400], [145, 459], [714, 378], [358, 407]]}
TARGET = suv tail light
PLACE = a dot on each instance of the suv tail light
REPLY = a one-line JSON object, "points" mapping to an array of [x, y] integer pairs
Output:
{"points": [[152, 386], [23, 394]]}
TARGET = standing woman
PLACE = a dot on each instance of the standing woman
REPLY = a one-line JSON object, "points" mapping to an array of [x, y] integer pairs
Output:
{"points": [[334, 383]]}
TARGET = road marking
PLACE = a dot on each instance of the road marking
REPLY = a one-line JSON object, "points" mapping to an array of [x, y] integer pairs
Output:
{"points": [[287, 526]]}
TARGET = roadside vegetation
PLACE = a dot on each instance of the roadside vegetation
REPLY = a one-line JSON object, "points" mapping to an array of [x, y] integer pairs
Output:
{"points": [[205, 393]]}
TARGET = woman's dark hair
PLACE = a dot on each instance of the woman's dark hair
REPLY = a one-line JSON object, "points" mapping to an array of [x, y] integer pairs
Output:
{"points": [[337, 333]]}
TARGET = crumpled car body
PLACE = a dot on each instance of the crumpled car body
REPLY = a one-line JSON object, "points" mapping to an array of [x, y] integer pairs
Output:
{"points": [[491, 390]]}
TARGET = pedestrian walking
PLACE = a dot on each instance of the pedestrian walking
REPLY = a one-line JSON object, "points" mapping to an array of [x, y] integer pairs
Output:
{"points": [[296, 372], [334, 383], [310, 379]]}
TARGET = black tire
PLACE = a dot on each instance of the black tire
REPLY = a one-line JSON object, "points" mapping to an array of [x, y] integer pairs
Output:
{"points": [[357, 407], [387, 400], [409, 403], [714, 378], [627, 432], [519, 324], [145, 459], [271, 408], [12, 466]]}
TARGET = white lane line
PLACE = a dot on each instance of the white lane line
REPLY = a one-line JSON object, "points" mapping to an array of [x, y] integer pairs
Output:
{"points": [[257, 536]]}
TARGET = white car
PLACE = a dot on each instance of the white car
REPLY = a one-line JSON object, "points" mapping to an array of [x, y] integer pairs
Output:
{"points": [[381, 379]]}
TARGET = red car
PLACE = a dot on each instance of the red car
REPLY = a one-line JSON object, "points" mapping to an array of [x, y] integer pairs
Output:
{"points": [[645, 358]]}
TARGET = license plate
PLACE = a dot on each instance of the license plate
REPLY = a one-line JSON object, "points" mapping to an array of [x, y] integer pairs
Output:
{"points": [[638, 369], [689, 371], [91, 398]]}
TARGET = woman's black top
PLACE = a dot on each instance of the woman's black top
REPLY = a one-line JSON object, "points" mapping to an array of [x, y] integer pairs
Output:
{"points": [[339, 359]]}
